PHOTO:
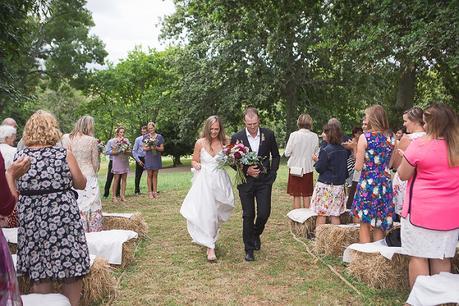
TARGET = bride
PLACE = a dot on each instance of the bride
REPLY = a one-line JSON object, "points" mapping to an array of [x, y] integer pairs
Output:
{"points": [[210, 200]]}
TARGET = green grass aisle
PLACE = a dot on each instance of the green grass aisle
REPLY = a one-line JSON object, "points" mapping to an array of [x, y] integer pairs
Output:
{"points": [[169, 269]]}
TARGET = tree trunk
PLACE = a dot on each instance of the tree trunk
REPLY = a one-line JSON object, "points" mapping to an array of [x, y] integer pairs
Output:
{"points": [[176, 160], [406, 88]]}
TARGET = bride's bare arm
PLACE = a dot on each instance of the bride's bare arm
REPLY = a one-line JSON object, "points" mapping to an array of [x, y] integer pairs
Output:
{"points": [[196, 160]]}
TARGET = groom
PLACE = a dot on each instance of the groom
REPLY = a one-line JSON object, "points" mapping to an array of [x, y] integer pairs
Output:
{"points": [[259, 185]]}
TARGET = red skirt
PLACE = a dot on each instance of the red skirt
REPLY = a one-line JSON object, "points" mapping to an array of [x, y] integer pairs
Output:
{"points": [[300, 186]]}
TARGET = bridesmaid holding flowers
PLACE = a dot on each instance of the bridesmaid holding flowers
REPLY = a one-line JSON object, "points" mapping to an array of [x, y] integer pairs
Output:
{"points": [[153, 144], [121, 149]]}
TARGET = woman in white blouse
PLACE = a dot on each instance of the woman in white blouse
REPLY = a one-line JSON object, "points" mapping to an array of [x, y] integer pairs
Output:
{"points": [[301, 146], [7, 139]]}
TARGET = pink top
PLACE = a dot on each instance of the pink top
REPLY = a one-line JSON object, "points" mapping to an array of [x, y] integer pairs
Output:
{"points": [[434, 186]]}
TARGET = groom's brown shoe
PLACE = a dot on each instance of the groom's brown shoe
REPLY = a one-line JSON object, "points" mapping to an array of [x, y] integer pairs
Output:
{"points": [[249, 256]]}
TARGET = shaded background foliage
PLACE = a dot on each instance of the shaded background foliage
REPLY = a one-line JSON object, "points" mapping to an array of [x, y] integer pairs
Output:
{"points": [[327, 58]]}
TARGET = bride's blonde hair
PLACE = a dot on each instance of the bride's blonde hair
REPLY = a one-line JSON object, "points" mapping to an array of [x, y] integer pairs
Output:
{"points": [[206, 129]]}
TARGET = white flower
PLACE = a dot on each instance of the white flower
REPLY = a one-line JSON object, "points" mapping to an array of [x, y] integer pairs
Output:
{"points": [[377, 161], [373, 222], [378, 223], [365, 211], [376, 191]]}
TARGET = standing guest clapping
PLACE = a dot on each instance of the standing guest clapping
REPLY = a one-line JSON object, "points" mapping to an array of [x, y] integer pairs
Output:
{"points": [[51, 239], [153, 146], [121, 150], [414, 124], [328, 197], [83, 145], [373, 199], [430, 215], [139, 155], [301, 146]]}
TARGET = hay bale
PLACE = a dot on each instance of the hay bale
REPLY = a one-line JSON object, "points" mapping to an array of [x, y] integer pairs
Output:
{"points": [[13, 247], [128, 253], [303, 230], [455, 263], [100, 284], [332, 240], [135, 223], [379, 272]]}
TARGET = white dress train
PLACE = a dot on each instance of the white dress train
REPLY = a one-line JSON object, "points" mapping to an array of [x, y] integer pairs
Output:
{"points": [[209, 202]]}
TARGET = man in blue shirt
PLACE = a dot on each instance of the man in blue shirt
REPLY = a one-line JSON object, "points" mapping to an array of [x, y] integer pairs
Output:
{"points": [[108, 182], [139, 155]]}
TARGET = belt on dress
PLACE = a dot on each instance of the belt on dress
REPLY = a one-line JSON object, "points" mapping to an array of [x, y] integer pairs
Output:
{"points": [[46, 191]]}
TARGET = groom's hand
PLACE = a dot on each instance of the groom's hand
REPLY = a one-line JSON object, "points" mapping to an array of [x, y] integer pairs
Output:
{"points": [[253, 171]]}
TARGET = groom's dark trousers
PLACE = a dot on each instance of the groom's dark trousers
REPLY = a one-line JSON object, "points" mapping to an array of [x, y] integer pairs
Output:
{"points": [[255, 194]]}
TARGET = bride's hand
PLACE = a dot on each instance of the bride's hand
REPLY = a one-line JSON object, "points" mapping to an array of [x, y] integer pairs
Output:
{"points": [[196, 165]]}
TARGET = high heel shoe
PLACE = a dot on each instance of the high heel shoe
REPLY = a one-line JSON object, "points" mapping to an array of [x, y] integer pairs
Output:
{"points": [[211, 257], [155, 195], [114, 200], [150, 195], [123, 199]]}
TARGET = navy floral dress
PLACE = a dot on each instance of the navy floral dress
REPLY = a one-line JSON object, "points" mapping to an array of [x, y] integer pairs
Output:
{"points": [[51, 240], [373, 198]]}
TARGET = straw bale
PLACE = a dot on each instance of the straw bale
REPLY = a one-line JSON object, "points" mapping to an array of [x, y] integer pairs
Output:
{"points": [[136, 223], [13, 247], [332, 240], [303, 230], [379, 272], [128, 253], [100, 284]]}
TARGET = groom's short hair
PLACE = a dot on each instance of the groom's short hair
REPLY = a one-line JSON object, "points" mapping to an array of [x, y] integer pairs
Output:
{"points": [[251, 112]]}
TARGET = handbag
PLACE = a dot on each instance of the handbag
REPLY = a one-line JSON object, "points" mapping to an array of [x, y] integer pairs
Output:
{"points": [[296, 171], [393, 238]]}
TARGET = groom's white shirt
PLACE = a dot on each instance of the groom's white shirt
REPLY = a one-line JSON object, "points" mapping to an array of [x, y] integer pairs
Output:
{"points": [[254, 141]]}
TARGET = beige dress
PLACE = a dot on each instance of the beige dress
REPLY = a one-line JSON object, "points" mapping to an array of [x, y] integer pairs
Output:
{"points": [[85, 150]]}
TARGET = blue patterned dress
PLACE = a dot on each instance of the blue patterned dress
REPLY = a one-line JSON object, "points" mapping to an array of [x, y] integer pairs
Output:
{"points": [[373, 198]]}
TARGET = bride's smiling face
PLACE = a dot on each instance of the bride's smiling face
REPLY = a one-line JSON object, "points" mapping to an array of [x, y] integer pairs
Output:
{"points": [[214, 130]]}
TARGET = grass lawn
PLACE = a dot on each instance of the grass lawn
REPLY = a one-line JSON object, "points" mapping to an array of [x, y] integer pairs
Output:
{"points": [[170, 270]]}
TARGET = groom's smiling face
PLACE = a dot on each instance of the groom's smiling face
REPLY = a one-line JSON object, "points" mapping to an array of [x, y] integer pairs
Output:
{"points": [[252, 123]]}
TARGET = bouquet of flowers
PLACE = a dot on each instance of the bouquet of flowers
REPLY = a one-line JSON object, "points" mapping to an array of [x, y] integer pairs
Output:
{"points": [[152, 143], [100, 146], [237, 155], [122, 146]]}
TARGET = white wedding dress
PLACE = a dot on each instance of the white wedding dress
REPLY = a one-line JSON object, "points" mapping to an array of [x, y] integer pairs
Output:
{"points": [[209, 202]]}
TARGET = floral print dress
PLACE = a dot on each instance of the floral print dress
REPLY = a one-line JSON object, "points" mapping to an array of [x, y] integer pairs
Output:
{"points": [[51, 240], [373, 198]]}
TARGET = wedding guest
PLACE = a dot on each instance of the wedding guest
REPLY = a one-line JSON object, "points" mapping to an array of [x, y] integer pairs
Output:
{"points": [[120, 149], [301, 146], [51, 239], [414, 124], [7, 139], [153, 159], [353, 174], [139, 155], [373, 199], [430, 223], [210, 200], [9, 290], [10, 122], [83, 145], [331, 164], [109, 179], [399, 134]]}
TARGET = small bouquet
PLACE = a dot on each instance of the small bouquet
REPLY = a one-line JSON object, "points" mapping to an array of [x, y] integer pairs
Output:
{"points": [[100, 146], [152, 143], [122, 146], [237, 155]]}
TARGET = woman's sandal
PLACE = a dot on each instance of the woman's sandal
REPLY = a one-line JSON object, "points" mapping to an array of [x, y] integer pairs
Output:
{"points": [[211, 258]]}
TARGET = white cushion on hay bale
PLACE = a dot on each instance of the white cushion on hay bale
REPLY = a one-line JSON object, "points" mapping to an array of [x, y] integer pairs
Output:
{"points": [[11, 234], [50, 299], [379, 246], [120, 215], [109, 244], [437, 289], [300, 215]]}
